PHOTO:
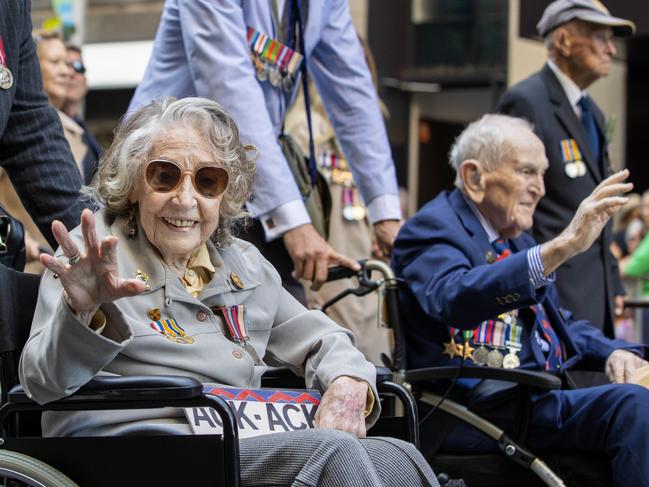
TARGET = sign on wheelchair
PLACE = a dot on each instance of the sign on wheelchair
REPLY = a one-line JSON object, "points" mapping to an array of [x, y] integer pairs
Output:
{"points": [[258, 411]]}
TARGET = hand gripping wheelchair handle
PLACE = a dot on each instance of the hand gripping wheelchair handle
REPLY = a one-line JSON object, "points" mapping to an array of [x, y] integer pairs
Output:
{"points": [[339, 272]]}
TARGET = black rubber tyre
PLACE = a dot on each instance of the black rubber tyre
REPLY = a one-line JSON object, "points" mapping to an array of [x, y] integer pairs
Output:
{"points": [[17, 469]]}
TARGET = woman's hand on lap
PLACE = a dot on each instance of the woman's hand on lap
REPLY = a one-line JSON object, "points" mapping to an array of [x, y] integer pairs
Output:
{"points": [[343, 406]]}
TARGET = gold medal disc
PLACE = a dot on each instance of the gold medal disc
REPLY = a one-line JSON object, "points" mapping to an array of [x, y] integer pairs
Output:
{"points": [[494, 359], [581, 168], [359, 212], [287, 83], [274, 77], [571, 169], [6, 78], [480, 355], [349, 213], [511, 361]]}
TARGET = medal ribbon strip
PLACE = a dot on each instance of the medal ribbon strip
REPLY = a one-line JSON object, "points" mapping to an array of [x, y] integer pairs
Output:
{"points": [[3, 57], [570, 151], [348, 197], [169, 328], [236, 317], [328, 160], [499, 335], [575, 150], [274, 52], [514, 339], [565, 150], [480, 333], [466, 334]]}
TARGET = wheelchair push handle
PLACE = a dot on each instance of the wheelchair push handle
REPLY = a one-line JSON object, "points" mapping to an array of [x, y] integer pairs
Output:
{"points": [[339, 272], [367, 266]]}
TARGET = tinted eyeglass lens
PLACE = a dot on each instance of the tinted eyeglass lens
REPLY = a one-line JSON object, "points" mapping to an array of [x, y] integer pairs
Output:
{"points": [[211, 181], [78, 67], [162, 176]]}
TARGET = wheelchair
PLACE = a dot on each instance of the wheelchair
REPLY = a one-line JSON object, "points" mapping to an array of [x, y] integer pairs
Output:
{"points": [[27, 459], [442, 412]]}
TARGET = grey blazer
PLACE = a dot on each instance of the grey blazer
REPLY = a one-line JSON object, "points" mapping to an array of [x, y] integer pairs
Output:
{"points": [[33, 150], [62, 354]]}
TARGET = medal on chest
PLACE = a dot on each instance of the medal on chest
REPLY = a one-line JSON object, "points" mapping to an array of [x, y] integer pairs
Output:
{"points": [[273, 61], [461, 350], [573, 162], [171, 330], [6, 77], [236, 319]]}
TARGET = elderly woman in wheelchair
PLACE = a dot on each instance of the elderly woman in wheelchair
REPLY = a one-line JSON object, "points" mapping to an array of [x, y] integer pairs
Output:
{"points": [[155, 283]]}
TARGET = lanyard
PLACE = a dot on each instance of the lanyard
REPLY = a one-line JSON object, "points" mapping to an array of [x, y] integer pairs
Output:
{"points": [[296, 19]]}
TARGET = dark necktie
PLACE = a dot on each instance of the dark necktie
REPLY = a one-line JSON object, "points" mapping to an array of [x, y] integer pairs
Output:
{"points": [[590, 127], [553, 354]]}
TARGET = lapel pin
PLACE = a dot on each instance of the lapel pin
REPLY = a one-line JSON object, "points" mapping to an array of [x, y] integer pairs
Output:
{"points": [[143, 276], [154, 314], [236, 280]]}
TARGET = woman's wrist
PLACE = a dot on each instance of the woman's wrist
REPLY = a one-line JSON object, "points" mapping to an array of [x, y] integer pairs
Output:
{"points": [[84, 316]]}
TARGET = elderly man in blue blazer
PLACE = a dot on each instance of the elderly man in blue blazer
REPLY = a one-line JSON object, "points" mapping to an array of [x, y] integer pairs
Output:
{"points": [[481, 290]]}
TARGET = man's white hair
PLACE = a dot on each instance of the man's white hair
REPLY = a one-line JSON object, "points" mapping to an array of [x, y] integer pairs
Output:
{"points": [[485, 141]]}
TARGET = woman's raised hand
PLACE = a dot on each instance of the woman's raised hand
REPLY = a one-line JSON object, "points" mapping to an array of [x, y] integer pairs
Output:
{"points": [[90, 278]]}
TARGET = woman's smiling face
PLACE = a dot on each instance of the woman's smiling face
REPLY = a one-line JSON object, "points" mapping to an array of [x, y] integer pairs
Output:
{"points": [[177, 223]]}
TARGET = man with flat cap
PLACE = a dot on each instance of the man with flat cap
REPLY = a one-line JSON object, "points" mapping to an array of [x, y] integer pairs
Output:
{"points": [[578, 36]]}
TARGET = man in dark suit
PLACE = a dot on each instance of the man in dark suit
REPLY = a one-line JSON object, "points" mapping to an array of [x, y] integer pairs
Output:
{"points": [[578, 36], [33, 150], [480, 288]]}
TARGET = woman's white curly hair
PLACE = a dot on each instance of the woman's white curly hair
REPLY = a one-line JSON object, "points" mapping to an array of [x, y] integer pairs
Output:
{"points": [[121, 166]]}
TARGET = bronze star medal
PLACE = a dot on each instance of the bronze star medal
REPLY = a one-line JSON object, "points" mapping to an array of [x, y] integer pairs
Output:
{"points": [[468, 351], [450, 348]]}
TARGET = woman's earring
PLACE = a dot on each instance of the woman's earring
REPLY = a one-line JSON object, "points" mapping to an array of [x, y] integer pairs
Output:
{"points": [[131, 223]]}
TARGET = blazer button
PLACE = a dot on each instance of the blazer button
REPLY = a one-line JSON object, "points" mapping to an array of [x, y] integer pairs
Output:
{"points": [[201, 315]]}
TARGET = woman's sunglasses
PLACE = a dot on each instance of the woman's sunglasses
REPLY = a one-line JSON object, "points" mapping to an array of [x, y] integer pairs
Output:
{"points": [[166, 176]]}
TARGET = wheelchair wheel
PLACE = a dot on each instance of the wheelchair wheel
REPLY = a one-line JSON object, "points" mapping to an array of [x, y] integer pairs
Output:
{"points": [[18, 470]]}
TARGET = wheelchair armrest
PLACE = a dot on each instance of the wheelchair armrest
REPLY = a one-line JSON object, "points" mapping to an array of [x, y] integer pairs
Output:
{"points": [[383, 374], [538, 380], [285, 378], [125, 388]]}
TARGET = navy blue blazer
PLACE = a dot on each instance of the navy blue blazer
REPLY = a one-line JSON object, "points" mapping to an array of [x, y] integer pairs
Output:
{"points": [[441, 254], [33, 149]]}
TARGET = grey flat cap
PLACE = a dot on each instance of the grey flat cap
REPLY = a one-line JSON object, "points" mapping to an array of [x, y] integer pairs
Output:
{"points": [[561, 12]]}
